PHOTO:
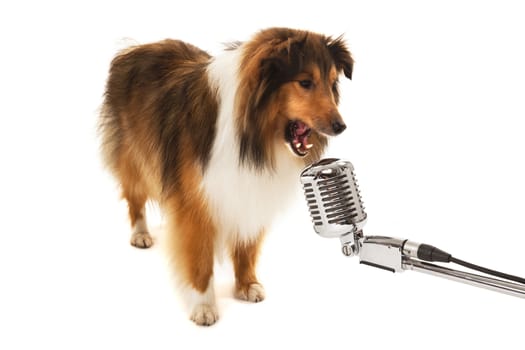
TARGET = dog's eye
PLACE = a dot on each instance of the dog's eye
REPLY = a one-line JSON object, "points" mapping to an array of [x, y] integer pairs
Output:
{"points": [[306, 84]]}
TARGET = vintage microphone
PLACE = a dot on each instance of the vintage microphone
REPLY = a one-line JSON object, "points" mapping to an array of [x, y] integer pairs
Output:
{"points": [[337, 210]]}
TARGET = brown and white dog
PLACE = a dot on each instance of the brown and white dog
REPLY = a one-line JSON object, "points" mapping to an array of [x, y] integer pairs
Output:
{"points": [[219, 142]]}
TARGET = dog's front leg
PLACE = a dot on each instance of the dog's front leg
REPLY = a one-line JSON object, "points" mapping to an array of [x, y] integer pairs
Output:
{"points": [[244, 256], [192, 238]]}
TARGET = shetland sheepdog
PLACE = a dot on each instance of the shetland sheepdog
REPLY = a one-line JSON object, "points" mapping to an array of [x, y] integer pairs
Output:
{"points": [[219, 143]]}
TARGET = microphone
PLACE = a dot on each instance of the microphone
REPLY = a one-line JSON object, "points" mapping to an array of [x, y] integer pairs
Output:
{"points": [[334, 201], [337, 210]]}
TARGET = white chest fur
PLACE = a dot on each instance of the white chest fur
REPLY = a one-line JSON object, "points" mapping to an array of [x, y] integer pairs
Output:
{"points": [[242, 200]]}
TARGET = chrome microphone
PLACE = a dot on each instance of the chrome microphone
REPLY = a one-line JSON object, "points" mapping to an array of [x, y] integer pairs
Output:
{"points": [[334, 201], [336, 208]]}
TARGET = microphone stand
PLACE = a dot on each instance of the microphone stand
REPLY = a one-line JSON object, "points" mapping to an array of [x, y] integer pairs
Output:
{"points": [[398, 255]]}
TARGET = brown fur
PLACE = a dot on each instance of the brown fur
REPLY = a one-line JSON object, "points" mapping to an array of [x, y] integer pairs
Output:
{"points": [[158, 124], [154, 93]]}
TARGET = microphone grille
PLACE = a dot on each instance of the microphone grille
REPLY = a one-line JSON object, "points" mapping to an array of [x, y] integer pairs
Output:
{"points": [[333, 197]]}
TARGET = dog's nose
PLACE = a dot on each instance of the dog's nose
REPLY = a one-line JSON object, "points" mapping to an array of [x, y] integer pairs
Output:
{"points": [[338, 127]]}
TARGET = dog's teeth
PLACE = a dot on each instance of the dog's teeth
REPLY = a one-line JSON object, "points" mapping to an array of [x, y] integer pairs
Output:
{"points": [[298, 145], [308, 146]]}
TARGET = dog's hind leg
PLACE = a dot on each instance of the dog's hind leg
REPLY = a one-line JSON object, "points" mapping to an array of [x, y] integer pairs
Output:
{"points": [[136, 197], [140, 236]]}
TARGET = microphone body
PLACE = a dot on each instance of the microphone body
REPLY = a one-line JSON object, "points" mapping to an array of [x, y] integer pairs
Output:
{"points": [[334, 201]]}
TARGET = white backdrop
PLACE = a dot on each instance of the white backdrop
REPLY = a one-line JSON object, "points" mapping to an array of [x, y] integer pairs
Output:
{"points": [[435, 115]]}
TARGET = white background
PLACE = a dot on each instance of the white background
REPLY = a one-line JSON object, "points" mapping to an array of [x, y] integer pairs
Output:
{"points": [[435, 115]]}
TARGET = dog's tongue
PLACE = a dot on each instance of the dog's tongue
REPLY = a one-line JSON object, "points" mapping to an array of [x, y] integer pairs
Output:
{"points": [[302, 131], [301, 128]]}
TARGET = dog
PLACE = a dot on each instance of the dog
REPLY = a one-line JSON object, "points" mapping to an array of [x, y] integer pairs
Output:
{"points": [[219, 143]]}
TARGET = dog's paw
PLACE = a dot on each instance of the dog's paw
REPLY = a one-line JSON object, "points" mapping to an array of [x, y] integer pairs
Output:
{"points": [[253, 292], [141, 240], [205, 315]]}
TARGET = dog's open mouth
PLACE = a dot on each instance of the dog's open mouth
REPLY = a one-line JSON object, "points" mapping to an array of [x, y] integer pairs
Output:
{"points": [[297, 134]]}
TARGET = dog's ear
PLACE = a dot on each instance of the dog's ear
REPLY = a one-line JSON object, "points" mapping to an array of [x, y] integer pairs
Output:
{"points": [[295, 51], [341, 56], [279, 66], [272, 67], [287, 53]]}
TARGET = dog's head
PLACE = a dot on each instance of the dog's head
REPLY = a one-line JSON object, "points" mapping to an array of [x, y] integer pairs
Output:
{"points": [[288, 92]]}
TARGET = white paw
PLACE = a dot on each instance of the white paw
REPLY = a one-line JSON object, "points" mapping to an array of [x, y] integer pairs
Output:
{"points": [[204, 315], [253, 292], [141, 240]]}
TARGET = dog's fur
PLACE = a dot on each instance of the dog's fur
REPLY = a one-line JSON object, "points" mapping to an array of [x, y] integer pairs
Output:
{"points": [[219, 142]]}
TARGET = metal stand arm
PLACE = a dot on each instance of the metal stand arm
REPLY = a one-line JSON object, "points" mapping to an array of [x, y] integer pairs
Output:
{"points": [[507, 287], [397, 255]]}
